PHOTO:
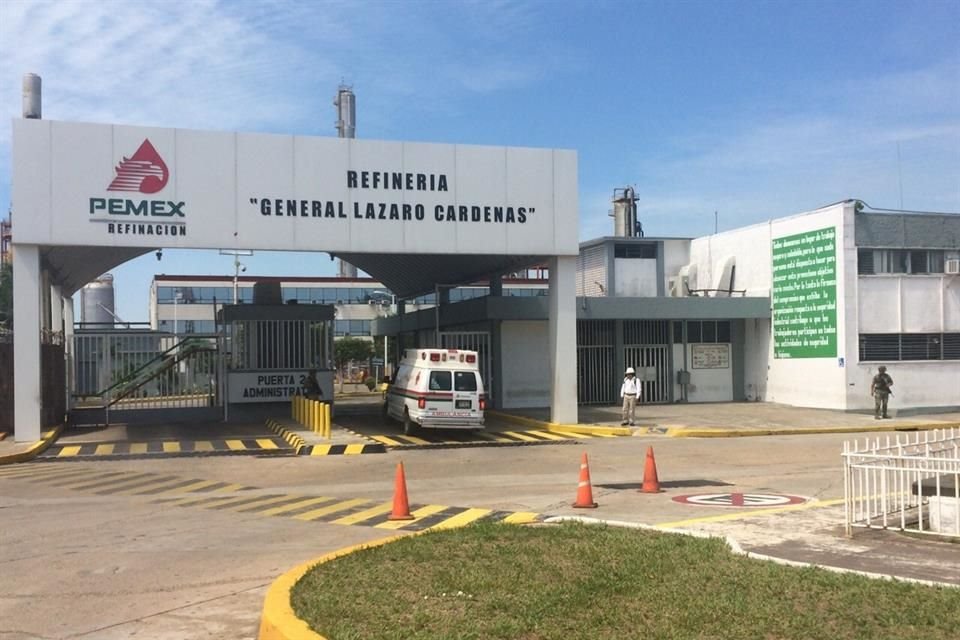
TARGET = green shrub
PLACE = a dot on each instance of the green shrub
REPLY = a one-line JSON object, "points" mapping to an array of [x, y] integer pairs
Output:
{"points": [[370, 382]]}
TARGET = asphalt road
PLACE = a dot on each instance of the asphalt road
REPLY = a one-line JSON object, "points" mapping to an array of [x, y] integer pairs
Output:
{"points": [[182, 548]]}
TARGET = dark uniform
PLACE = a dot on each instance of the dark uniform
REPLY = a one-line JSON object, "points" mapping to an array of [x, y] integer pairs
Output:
{"points": [[311, 386], [880, 389]]}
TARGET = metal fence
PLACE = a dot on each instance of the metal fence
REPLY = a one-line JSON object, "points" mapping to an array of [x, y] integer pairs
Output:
{"points": [[910, 482], [279, 344], [130, 370], [478, 341], [597, 375]]}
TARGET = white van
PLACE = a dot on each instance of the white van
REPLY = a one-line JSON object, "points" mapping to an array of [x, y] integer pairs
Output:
{"points": [[437, 389]]}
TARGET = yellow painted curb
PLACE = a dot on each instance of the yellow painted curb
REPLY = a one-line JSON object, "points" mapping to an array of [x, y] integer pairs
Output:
{"points": [[46, 439], [569, 428], [278, 621], [685, 432]]}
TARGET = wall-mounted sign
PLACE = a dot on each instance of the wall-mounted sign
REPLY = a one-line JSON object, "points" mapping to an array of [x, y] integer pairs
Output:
{"points": [[273, 385], [805, 295], [710, 356], [113, 185]]}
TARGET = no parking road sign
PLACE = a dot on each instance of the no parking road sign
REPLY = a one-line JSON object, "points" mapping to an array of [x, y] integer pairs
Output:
{"points": [[739, 500]]}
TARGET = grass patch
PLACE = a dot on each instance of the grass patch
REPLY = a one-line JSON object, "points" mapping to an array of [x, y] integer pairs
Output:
{"points": [[493, 581]]}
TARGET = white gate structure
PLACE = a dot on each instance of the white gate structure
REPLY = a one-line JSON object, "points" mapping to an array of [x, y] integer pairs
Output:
{"points": [[645, 348], [910, 482], [478, 341]]}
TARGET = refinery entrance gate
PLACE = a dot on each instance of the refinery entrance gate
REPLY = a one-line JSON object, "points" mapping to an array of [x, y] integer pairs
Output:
{"points": [[89, 197]]}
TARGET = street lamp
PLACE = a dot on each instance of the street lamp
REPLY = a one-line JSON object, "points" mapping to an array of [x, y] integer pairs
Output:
{"points": [[382, 304], [238, 267]]}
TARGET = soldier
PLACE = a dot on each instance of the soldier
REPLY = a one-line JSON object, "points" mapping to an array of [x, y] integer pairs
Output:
{"points": [[880, 390], [311, 386]]}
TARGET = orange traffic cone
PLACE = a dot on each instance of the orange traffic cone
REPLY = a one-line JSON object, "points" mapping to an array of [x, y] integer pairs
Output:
{"points": [[584, 490], [651, 484], [401, 508]]}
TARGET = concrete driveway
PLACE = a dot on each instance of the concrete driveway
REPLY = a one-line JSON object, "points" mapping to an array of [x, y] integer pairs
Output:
{"points": [[143, 548]]}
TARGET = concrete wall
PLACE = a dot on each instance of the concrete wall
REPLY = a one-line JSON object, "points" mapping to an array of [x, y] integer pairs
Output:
{"points": [[635, 278], [915, 384], [526, 364], [811, 382], [706, 385], [909, 303]]}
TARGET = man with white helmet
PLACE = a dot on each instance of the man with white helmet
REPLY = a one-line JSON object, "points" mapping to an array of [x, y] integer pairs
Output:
{"points": [[630, 392]]}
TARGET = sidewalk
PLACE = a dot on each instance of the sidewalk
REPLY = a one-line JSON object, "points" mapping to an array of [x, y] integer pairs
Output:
{"points": [[732, 419], [11, 452]]}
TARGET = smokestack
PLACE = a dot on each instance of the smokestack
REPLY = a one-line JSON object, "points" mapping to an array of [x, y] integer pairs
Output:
{"points": [[31, 96], [346, 104], [625, 214]]}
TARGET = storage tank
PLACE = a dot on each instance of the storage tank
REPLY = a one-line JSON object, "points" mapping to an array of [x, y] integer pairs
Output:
{"points": [[97, 303]]}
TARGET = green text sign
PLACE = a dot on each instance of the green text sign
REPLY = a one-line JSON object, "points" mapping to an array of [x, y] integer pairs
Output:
{"points": [[805, 295]]}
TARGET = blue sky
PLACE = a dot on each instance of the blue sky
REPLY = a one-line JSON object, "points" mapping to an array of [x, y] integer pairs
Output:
{"points": [[752, 109]]}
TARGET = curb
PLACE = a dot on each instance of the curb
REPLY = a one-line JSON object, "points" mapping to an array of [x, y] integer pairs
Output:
{"points": [[278, 620], [568, 428], [687, 432], [46, 439], [301, 448]]}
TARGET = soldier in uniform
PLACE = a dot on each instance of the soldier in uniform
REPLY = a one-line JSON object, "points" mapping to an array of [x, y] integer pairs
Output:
{"points": [[880, 390]]}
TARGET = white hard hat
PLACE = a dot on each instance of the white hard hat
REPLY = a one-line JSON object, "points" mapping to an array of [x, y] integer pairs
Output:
{"points": [[630, 370]]}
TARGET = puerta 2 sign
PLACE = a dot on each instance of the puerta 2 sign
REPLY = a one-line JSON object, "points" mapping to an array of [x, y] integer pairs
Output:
{"points": [[805, 295]]}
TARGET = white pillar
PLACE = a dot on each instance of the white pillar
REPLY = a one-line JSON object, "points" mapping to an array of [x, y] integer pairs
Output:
{"points": [[563, 339], [68, 320], [26, 342]]}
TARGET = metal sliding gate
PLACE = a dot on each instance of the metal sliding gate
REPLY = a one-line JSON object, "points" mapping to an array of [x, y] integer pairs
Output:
{"points": [[646, 346], [597, 378], [139, 369], [478, 341]]}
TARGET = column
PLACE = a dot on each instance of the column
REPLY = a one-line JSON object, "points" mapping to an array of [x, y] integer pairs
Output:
{"points": [[68, 346], [496, 284], [563, 339], [26, 342]]}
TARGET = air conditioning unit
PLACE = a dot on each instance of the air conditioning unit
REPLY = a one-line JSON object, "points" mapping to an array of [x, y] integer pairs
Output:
{"points": [[952, 266]]}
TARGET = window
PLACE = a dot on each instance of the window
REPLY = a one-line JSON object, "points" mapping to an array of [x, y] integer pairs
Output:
{"points": [[440, 381], [704, 331], [918, 261], [465, 381], [879, 347], [647, 251]]}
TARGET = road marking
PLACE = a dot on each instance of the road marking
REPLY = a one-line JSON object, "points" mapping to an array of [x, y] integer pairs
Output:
{"points": [[235, 445], [266, 443], [419, 514], [521, 436], [305, 502], [390, 442], [548, 436], [203, 445], [340, 506], [171, 447], [138, 447], [462, 519], [366, 514], [521, 517], [354, 449], [750, 514], [414, 440], [69, 451], [104, 449]]}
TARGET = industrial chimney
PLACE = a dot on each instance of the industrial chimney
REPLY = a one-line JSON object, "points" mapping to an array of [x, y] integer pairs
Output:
{"points": [[346, 104], [31, 96], [625, 224]]}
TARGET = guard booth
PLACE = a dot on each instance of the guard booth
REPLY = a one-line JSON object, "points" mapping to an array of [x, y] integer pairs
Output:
{"points": [[269, 349]]}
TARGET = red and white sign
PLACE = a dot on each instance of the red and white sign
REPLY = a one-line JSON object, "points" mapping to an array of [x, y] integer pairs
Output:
{"points": [[740, 500]]}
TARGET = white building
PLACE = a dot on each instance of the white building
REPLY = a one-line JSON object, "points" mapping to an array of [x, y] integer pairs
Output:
{"points": [[799, 310]]}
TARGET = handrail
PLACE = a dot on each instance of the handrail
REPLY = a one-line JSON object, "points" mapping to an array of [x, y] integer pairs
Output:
{"points": [[170, 363]]}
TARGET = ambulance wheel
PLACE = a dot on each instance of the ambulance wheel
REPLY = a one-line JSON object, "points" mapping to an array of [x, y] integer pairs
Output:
{"points": [[409, 426]]}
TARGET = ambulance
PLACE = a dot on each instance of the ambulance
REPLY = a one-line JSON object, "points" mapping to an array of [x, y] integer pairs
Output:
{"points": [[437, 389]]}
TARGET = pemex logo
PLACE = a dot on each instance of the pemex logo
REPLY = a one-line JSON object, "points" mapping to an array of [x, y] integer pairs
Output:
{"points": [[143, 172]]}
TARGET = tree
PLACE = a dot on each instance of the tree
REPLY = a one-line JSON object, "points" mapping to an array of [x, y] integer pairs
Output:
{"points": [[6, 296], [347, 350]]}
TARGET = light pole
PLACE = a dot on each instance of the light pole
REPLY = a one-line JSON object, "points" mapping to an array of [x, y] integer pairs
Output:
{"points": [[237, 268], [386, 312]]}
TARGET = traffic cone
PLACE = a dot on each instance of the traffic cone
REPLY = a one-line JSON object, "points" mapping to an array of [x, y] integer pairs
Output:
{"points": [[401, 508], [584, 490], [651, 484]]}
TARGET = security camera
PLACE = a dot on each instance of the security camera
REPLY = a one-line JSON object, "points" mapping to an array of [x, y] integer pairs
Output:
{"points": [[243, 269], [159, 254]]}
